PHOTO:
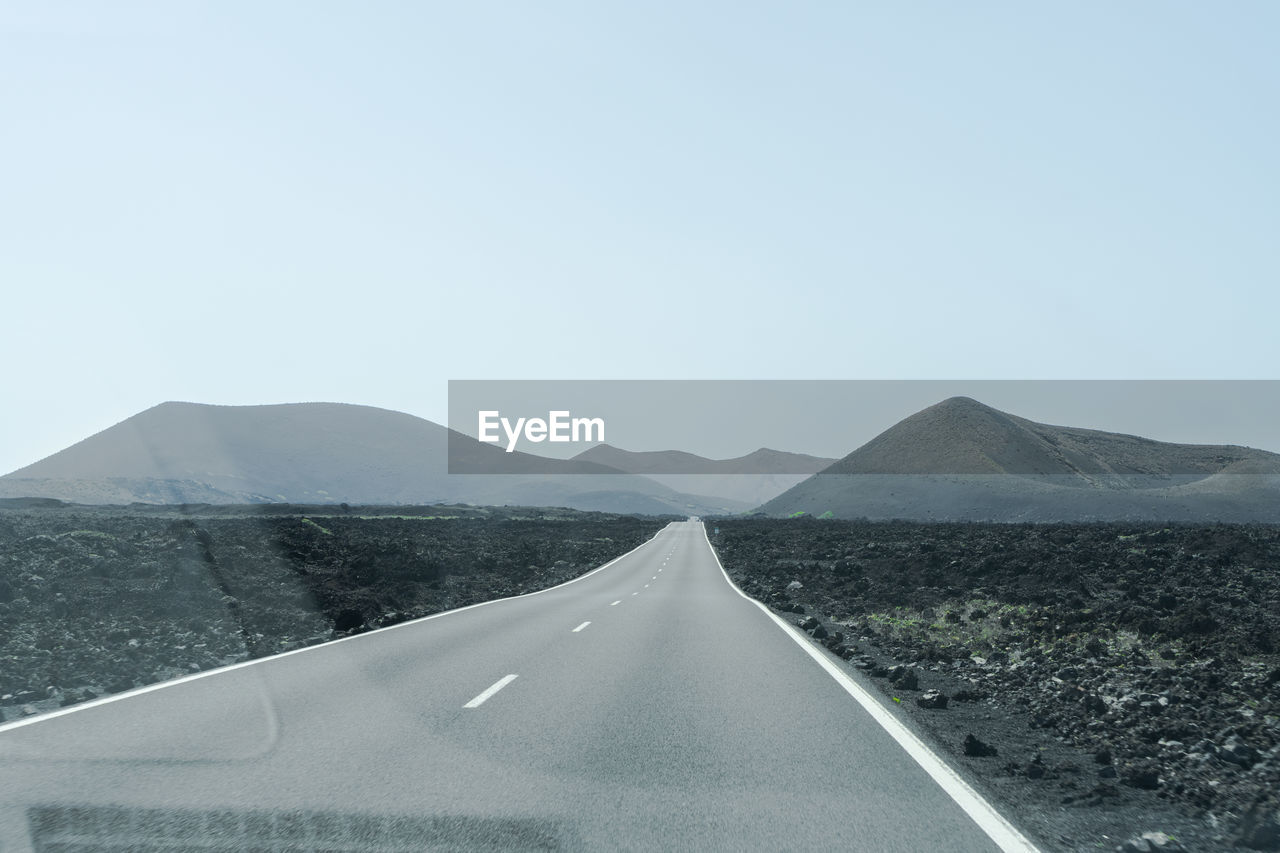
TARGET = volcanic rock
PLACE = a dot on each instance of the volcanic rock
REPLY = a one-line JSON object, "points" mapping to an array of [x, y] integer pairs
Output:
{"points": [[1260, 828], [1151, 842], [975, 748], [933, 699]]}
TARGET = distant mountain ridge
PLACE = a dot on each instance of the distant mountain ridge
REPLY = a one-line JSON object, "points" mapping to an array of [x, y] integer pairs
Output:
{"points": [[962, 460], [762, 461], [751, 479], [180, 452]]}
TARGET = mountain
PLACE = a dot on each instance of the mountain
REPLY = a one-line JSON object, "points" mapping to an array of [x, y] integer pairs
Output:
{"points": [[762, 461], [751, 479], [320, 453], [962, 460]]}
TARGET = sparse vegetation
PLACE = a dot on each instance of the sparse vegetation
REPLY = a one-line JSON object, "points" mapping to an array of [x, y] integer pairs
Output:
{"points": [[323, 530]]}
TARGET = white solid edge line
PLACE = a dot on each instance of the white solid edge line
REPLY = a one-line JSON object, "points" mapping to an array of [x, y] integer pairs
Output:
{"points": [[580, 627], [995, 825], [116, 697], [493, 688]]}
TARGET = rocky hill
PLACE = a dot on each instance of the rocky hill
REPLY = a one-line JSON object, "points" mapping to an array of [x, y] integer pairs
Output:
{"points": [[319, 453], [962, 460]]}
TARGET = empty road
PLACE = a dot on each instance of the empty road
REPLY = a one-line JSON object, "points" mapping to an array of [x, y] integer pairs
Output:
{"points": [[647, 705]]}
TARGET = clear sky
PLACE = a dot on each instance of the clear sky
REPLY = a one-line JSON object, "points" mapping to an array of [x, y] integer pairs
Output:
{"points": [[259, 202]]}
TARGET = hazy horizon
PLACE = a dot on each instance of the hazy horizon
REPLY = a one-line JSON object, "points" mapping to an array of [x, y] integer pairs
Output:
{"points": [[796, 416]]}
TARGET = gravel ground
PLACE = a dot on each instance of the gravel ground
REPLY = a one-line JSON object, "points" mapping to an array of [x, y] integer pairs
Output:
{"points": [[1100, 680], [96, 601]]}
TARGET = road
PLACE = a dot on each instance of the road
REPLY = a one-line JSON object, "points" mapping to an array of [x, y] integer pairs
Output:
{"points": [[648, 705]]}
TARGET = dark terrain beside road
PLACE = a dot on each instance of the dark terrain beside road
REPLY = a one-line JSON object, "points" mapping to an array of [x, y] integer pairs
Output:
{"points": [[98, 600], [1102, 679]]}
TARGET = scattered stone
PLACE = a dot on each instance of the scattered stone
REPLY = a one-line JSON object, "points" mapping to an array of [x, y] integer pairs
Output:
{"points": [[1099, 794], [1094, 703], [933, 699], [1144, 776], [904, 677], [348, 620], [1238, 752], [794, 585], [1151, 842], [975, 748], [1260, 827]]}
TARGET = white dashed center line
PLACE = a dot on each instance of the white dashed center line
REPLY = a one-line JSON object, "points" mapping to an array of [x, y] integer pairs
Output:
{"points": [[580, 627], [616, 603], [484, 697]]}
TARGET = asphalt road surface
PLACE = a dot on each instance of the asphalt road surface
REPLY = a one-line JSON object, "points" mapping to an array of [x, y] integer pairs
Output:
{"points": [[648, 705]]}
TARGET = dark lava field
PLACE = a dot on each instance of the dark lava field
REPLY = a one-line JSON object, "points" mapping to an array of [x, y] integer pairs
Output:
{"points": [[98, 600], [1097, 680], [1106, 679]]}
